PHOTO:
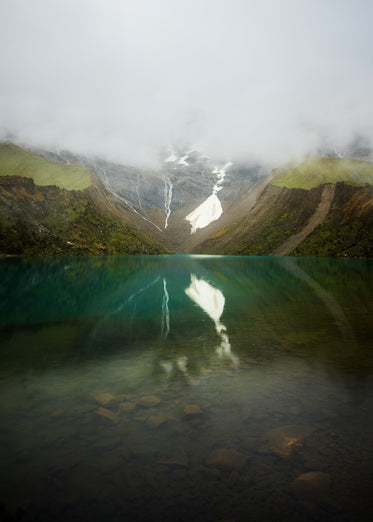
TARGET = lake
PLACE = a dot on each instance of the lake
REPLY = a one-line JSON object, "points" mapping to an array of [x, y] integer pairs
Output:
{"points": [[204, 388]]}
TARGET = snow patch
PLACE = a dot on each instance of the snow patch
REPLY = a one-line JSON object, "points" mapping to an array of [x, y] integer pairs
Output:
{"points": [[207, 212], [210, 210]]}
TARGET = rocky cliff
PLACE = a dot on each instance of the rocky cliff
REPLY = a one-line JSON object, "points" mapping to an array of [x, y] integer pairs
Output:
{"points": [[41, 214]]}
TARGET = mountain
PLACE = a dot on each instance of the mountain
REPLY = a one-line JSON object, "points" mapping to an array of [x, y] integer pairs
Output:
{"points": [[163, 198], [62, 203], [321, 207], [47, 208]]}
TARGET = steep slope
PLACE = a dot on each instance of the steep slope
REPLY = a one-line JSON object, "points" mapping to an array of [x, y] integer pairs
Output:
{"points": [[322, 207], [162, 199], [316, 219], [193, 204], [48, 208]]}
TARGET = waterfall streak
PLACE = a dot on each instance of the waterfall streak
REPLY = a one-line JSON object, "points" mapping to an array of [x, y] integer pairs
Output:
{"points": [[106, 179], [138, 191], [107, 185], [167, 199]]}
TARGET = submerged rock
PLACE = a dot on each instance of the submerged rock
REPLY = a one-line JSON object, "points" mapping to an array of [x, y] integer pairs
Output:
{"points": [[155, 422], [311, 486], [114, 417], [126, 407], [192, 410], [148, 402], [282, 441], [105, 398], [227, 459]]}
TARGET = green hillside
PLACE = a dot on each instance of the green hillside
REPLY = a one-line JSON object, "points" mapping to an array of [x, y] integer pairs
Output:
{"points": [[317, 171], [15, 161]]}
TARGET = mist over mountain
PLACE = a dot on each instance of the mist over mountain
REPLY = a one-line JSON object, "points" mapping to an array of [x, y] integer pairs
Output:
{"points": [[250, 81], [187, 112]]}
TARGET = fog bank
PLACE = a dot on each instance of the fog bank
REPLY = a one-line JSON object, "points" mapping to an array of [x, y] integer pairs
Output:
{"points": [[244, 80]]}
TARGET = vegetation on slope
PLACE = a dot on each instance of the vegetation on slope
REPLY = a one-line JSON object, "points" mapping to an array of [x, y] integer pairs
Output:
{"points": [[317, 171], [347, 231], [15, 161], [52, 221], [49, 209], [278, 215]]}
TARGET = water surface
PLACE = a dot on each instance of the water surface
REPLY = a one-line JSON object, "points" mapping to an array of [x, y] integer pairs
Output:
{"points": [[186, 388]]}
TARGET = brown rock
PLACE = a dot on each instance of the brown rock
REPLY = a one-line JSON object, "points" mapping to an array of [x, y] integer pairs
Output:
{"points": [[282, 441], [148, 402], [154, 421], [105, 398], [311, 486], [192, 410], [114, 417], [126, 407], [227, 459]]}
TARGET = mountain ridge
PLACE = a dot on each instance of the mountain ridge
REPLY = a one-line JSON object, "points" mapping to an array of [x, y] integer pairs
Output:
{"points": [[49, 219], [320, 207]]}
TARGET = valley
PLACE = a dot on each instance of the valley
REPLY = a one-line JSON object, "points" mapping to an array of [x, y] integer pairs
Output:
{"points": [[59, 202]]}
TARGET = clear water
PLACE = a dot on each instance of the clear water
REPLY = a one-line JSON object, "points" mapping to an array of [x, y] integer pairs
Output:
{"points": [[269, 357]]}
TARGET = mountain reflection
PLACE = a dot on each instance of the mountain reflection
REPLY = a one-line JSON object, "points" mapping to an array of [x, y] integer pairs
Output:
{"points": [[189, 314], [212, 301]]}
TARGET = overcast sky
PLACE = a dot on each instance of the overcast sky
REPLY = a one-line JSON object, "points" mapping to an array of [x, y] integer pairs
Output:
{"points": [[244, 79]]}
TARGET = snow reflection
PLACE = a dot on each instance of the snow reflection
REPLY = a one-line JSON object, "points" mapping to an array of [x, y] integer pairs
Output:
{"points": [[212, 302]]}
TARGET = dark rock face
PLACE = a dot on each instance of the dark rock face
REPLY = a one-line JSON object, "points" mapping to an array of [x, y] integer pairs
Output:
{"points": [[48, 220]]}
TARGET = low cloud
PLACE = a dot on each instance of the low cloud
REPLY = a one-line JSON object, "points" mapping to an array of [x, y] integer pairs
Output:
{"points": [[248, 80]]}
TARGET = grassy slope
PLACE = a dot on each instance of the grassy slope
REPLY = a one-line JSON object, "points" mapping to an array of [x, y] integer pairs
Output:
{"points": [[316, 171], [348, 229], [281, 213], [49, 209], [15, 161]]}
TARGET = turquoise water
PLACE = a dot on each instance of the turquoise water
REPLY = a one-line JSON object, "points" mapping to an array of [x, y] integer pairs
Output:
{"points": [[186, 388]]}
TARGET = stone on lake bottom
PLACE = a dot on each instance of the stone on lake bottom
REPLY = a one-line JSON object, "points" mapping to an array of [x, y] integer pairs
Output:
{"points": [[155, 422], [105, 398], [311, 486], [192, 410], [148, 402], [282, 441], [126, 407], [227, 459], [114, 417]]}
